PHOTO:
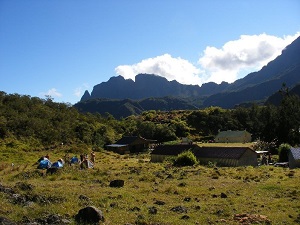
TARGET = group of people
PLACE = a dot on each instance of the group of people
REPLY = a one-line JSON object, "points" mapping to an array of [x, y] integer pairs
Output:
{"points": [[84, 161], [45, 163], [266, 159]]}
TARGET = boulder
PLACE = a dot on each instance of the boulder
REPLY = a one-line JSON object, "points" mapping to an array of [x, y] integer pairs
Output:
{"points": [[117, 183], [179, 209], [5, 221], [89, 215]]}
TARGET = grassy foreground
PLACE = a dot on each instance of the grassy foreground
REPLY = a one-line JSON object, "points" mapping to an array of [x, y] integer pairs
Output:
{"points": [[153, 193]]}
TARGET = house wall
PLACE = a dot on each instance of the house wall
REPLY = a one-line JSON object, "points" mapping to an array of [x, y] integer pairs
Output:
{"points": [[219, 161], [246, 137], [293, 163], [133, 148], [158, 158], [249, 158], [119, 150]]}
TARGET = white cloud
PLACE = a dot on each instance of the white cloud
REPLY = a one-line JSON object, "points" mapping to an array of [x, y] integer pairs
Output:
{"points": [[78, 92], [52, 92], [166, 66], [233, 60], [250, 52]]}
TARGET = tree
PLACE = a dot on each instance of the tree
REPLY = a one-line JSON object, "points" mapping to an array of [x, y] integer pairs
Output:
{"points": [[283, 151], [186, 158], [288, 118]]}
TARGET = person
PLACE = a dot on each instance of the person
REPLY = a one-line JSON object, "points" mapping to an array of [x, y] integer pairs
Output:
{"points": [[61, 161], [270, 158], [93, 156], [74, 160], [58, 164], [264, 160]]}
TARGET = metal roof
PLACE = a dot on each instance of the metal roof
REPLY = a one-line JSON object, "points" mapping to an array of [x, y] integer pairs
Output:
{"points": [[295, 153], [203, 152], [116, 145]]}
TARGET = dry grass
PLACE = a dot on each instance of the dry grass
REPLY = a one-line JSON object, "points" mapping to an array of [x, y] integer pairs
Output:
{"points": [[209, 195]]}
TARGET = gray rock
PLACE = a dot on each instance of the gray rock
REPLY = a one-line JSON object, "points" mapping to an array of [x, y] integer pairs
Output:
{"points": [[117, 183], [179, 209], [89, 215], [5, 221]]}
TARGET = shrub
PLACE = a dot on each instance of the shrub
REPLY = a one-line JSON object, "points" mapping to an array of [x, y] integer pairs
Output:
{"points": [[283, 152], [186, 158]]}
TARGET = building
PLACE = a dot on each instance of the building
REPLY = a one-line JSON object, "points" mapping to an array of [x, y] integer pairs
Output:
{"points": [[294, 158], [227, 156], [130, 144], [161, 152], [221, 156], [231, 136]]}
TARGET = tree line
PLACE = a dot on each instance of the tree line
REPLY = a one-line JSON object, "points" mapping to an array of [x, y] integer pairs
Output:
{"points": [[33, 122]]}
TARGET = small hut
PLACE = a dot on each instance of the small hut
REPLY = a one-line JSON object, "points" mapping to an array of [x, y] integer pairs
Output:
{"points": [[233, 136], [227, 156], [222, 156], [130, 144], [294, 158]]}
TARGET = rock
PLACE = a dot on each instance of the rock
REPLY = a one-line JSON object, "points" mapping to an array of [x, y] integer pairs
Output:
{"points": [[245, 218], [135, 208], [6, 190], [211, 188], [24, 186], [117, 183], [223, 195], [197, 207], [51, 219], [89, 215], [185, 217], [187, 199], [113, 204], [182, 184], [179, 209], [152, 210], [84, 198], [158, 202], [5, 221]]}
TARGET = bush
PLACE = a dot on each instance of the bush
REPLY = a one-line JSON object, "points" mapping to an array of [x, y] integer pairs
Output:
{"points": [[283, 152], [186, 158]]}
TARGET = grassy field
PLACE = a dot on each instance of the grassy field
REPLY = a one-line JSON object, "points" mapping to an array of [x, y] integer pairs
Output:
{"points": [[153, 193]]}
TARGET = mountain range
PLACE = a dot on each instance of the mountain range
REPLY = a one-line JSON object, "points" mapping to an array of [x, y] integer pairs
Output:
{"points": [[132, 95]]}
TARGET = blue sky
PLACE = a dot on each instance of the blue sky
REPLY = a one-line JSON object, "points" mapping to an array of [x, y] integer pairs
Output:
{"points": [[64, 47]]}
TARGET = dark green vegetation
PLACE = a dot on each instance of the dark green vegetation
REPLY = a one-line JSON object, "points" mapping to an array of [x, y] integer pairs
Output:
{"points": [[127, 107], [31, 123]]}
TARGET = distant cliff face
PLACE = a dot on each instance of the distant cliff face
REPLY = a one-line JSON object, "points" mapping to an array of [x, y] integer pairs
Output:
{"points": [[86, 96], [255, 87], [146, 86], [258, 86]]}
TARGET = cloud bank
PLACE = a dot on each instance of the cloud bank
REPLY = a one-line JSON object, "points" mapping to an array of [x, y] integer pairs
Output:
{"points": [[232, 61], [166, 66], [250, 52], [52, 93]]}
